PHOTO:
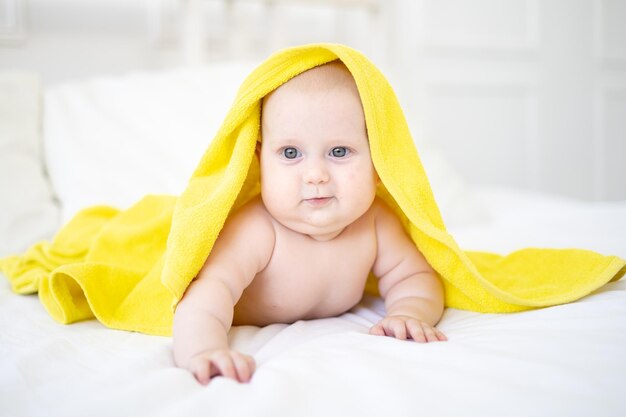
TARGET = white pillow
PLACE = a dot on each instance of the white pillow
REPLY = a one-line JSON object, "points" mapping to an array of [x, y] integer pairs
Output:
{"points": [[111, 140], [28, 211]]}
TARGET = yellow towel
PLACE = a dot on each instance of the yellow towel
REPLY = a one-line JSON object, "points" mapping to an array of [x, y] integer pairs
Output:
{"points": [[130, 268]]}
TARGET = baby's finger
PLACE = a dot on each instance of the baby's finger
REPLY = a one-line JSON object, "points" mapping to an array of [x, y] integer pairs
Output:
{"points": [[442, 337], [416, 331], [398, 328], [430, 334], [377, 330], [251, 363], [224, 365], [201, 370], [242, 366]]}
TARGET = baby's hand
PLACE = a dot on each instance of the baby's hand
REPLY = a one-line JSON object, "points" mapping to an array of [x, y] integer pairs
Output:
{"points": [[402, 326], [225, 362]]}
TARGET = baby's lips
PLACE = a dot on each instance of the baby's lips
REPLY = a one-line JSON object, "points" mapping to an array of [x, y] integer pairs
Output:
{"points": [[318, 201]]}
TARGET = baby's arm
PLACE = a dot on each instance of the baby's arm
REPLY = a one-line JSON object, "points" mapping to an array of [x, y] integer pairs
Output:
{"points": [[413, 293], [205, 313]]}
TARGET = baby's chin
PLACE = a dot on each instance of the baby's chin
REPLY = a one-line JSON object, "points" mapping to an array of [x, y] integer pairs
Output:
{"points": [[318, 229]]}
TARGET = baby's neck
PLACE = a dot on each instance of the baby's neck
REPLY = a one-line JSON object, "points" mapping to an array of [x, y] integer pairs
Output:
{"points": [[325, 237]]}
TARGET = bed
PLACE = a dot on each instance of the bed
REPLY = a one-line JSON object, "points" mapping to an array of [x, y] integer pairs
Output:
{"points": [[110, 140]]}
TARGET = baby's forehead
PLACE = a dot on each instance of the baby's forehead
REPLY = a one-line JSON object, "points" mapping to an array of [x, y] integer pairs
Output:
{"points": [[323, 101], [332, 76]]}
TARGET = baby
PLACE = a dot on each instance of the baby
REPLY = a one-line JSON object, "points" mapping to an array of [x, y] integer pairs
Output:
{"points": [[303, 249]]}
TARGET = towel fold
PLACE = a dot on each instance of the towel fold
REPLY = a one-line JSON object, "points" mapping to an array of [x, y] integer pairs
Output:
{"points": [[129, 268]]}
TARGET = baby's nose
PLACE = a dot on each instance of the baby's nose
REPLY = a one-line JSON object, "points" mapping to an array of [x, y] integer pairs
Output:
{"points": [[316, 174]]}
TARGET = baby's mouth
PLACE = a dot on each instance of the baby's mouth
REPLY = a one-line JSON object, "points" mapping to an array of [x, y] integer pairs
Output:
{"points": [[317, 201]]}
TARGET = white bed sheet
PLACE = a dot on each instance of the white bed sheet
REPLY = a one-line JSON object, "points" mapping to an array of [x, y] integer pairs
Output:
{"points": [[560, 361]]}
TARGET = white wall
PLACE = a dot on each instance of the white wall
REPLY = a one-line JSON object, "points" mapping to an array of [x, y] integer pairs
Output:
{"points": [[67, 39], [528, 93], [523, 93]]}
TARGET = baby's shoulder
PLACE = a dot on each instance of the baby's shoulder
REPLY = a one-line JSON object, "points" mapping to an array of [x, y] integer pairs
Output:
{"points": [[252, 219], [246, 240], [384, 216], [380, 208]]}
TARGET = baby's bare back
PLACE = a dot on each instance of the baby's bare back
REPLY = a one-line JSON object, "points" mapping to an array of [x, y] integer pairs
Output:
{"points": [[306, 278]]}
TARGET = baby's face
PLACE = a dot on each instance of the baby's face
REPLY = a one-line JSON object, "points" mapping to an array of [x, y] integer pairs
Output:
{"points": [[317, 175]]}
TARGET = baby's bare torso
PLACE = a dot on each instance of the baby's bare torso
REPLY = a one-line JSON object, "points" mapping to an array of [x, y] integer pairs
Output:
{"points": [[306, 278]]}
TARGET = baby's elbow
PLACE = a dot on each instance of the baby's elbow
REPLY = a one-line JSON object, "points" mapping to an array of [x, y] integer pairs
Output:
{"points": [[434, 286], [427, 285]]}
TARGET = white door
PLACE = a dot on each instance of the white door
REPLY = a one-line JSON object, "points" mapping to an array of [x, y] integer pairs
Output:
{"points": [[525, 93]]}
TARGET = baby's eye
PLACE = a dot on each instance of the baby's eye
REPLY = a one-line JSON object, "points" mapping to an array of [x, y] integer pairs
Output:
{"points": [[291, 153], [339, 152]]}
